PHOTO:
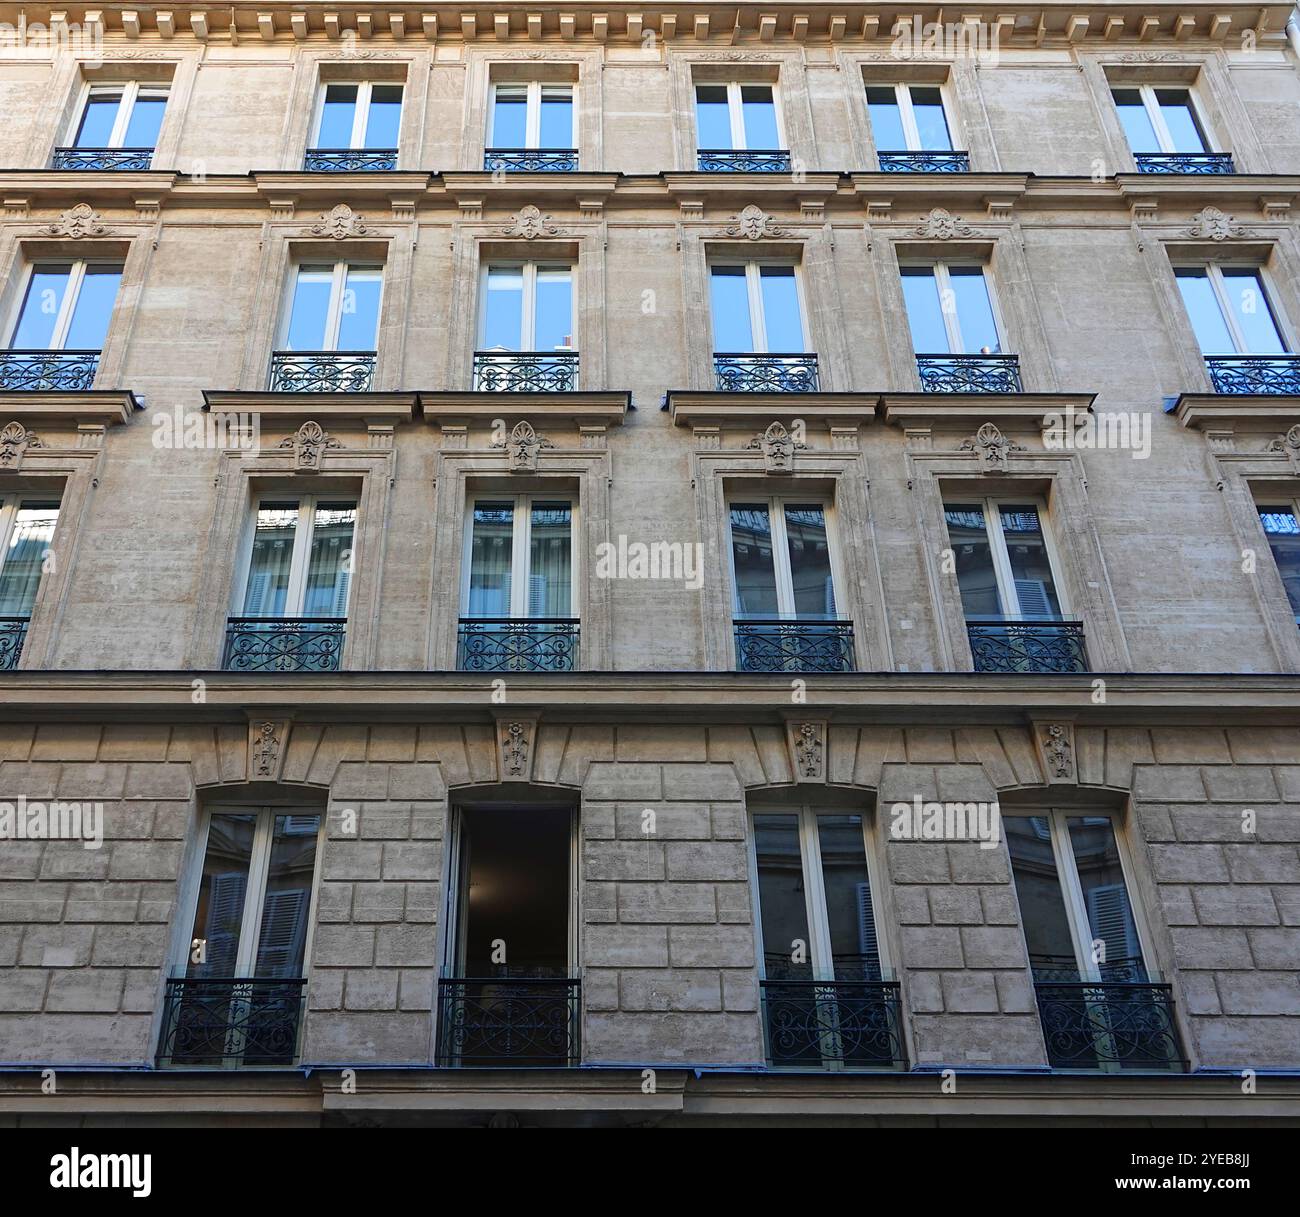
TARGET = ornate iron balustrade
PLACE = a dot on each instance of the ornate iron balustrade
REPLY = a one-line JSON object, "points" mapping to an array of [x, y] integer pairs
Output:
{"points": [[833, 1023], [924, 162], [13, 633], [1184, 162], [511, 1021], [969, 373], [746, 373], [728, 160], [1261, 374], [531, 160], [999, 645], [526, 371], [284, 644], [350, 160], [783, 645], [48, 371], [1109, 1025], [518, 644], [321, 371], [117, 159], [231, 1022]]}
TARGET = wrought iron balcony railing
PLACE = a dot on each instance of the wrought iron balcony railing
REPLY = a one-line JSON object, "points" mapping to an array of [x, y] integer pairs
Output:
{"points": [[1249, 374], [531, 160], [1184, 162], [230, 1022], [13, 633], [1109, 1025], [969, 373], [768, 373], [284, 644], [1001, 645], [728, 160], [102, 158], [350, 160], [511, 1021], [924, 162], [780, 644], [322, 372], [518, 644], [526, 371], [833, 1024], [48, 371]]}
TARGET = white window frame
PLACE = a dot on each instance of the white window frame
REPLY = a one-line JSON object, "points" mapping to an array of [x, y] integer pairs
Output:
{"points": [[1289, 501], [1157, 119], [71, 294], [911, 132], [533, 111], [521, 549], [528, 309], [296, 591], [776, 505], [338, 292], [130, 91], [951, 321], [10, 505], [754, 291], [736, 113], [360, 112], [1214, 273]]}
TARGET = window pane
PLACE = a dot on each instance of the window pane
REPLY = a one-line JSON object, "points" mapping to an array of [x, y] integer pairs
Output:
{"points": [[931, 124], [1180, 118], [1283, 532], [968, 536], [924, 315], [557, 117], [970, 293], [282, 936], [384, 117], [783, 913], [712, 120], [29, 540], [759, 113], [1041, 899], [1249, 303], [781, 308], [329, 570], [855, 953], [94, 308], [219, 917], [491, 551], [1203, 309], [145, 122], [751, 553], [810, 560], [337, 112], [503, 313], [886, 119], [45, 289], [268, 570], [359, 317], [1115, 949], [554, 320], [730, 301], [310, 309], [1030, 569], [1133, 117], [510, 116], [550, 563], [97, 120]]}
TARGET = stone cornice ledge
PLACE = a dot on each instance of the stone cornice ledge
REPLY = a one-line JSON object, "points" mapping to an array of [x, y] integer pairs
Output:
{"points": [[711, 408], [299, 407], [102, 407], [963, 410], [607, 409], [1269, 413]]}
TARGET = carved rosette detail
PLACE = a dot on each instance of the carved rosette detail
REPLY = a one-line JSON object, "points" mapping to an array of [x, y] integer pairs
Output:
{"points": [[530, 223], [1058, 750], [309, 444], [1212, 224], [942, 225], [992, 447], [340, 222], [778, 447], [266, 744], [77, 222], [1288, 445], [15, 440], [809, 750], [522, 446], [514, 749], [753, 223]]}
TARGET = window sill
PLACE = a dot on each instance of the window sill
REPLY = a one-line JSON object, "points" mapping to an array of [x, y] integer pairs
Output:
{"points": [[321, 407], [101, 407], [970, 410]]}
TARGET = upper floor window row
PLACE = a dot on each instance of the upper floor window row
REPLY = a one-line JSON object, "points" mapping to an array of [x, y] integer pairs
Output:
{"points": [[116, 127], [356, 127]]}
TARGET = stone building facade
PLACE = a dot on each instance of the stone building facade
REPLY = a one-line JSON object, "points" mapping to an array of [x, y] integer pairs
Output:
{"points": [[615, 755]]}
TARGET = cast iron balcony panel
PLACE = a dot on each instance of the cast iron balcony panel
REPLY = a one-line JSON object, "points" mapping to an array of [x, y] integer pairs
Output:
{"points": [[727, 160], [1184, 162], [833, 1024], [531, 160], [1000, 645], [1109, 1025], [284, 644], [105, 159], [779, 644], [526, 371], [322, 371], [518, 644], [48, 371], [742, 373], [13, 633], [231, 1023], [1254, 374], [924, 162], [508, 1022], [350, 160], [969, 373]]}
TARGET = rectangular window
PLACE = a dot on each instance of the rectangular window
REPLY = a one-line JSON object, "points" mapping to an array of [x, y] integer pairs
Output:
{"points": [[1160, 119], [333, 308], [1229, 310], [67, 306], [1281, 523], [519, 561], [736, 116], [950, 309], [756, 308], [532, 114], [527, 307], [781, 560], [357, 116], [26, 534], [908, 118], [1004, 561], [300, 562], [128, 115]]}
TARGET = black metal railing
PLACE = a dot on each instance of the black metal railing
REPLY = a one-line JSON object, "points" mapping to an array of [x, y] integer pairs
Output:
{"points": [[284, 644], [47, 371], [1109, 1025], [102, 158], [1262, 374], [780, 644], [969, 373], [924, 162], [768, 373], [833, 1023], [517, 644], [321, 372], [1184, 162], [350, 160], [13, 633], [526, 371], [728, 160], [1001, 645], [531, 160], [510, 1021], [231, 1022]]}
